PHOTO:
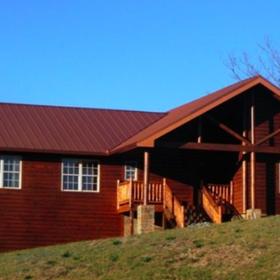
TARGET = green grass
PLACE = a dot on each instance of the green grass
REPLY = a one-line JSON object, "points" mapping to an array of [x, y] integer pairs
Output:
{"points": [[236, 250]]}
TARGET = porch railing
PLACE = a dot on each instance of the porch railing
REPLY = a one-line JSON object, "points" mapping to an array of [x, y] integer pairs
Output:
{"points": [[124, 192], [223, 193], [133, 192]]}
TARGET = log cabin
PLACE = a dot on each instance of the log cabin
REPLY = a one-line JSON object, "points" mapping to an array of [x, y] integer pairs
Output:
{"points": [[69, 174]]}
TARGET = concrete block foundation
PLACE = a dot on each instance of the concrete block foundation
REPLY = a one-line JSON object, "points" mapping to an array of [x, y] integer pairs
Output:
{"points": [[145, 219]]}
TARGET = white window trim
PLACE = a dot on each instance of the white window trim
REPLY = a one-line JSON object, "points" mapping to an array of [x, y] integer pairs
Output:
{"points": [[2, 173], [129, 163], [80, 190]]}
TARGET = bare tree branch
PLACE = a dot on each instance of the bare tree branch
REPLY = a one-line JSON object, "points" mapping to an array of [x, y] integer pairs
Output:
{"points": [[233, 66], [266, 64]]}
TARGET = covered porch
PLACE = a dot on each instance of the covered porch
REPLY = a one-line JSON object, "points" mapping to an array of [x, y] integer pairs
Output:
{"points": [[210, 157], [188, 194]]}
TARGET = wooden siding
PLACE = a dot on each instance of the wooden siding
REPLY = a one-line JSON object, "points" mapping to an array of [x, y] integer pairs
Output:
{"points": [[41, 214], [238, 188], [277, 187], [277, 164], [261, 186], [267, 121]]}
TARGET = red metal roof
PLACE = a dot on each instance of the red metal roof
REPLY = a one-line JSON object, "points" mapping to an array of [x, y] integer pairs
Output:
{"points": [[68, 130]]}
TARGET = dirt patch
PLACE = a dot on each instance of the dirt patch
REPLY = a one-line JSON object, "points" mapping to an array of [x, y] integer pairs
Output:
{"points": [[230, 256]]}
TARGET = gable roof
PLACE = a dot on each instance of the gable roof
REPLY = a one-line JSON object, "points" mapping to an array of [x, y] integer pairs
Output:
{"points": [[66, 130], [84, 131], [187, 112]]}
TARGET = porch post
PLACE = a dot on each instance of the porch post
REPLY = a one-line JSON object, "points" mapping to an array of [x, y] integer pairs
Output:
{"points": [[145, 212], [199, 131], [146, 176], [253, 154], [244, 160]]}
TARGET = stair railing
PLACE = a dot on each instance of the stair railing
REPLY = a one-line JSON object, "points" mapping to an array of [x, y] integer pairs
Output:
{"points": [[212, 207], [173, 205], [222, 192]]}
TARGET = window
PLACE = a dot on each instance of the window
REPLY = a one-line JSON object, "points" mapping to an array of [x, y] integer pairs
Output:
{"points": [[10, 172], [80, 175], [130, 171]]}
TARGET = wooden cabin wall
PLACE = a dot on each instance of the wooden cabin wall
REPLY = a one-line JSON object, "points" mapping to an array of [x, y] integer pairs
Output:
{"points": [[237, 181], [41, 214], [267, 197], [261, 185], [277, 189], [277, 163], [267, 120]]}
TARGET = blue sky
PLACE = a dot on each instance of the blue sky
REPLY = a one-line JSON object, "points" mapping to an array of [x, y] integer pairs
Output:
{"points": [[125, 54]]}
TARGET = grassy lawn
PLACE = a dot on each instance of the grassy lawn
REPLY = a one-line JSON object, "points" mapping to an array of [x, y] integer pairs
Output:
{"points": [[236, 250]]}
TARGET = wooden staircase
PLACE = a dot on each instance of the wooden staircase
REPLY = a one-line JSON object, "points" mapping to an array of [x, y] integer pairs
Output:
{"points": [[192, 215], [217, 201], [216, 204], [173, 208]]}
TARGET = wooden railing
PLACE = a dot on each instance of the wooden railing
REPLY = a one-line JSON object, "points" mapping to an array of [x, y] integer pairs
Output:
{"points": [[155, 193], [124, 193], [159, 193], [137, 191], [213, 209], [174, 206], [223, 193], [130, 192]]}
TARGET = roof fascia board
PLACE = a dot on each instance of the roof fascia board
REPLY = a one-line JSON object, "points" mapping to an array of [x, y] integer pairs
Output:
{"points": [[57, 152]]}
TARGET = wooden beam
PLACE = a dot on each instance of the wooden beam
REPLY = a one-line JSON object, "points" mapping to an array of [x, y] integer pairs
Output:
{"points": [[231, 192], [131, 219], [268, 136], [146, 176], [244, 160], [213, 147], [253, 154], [228, 130], [225, 147]]}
